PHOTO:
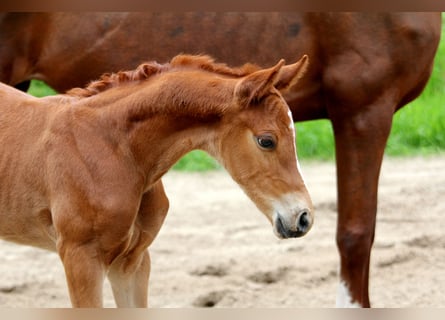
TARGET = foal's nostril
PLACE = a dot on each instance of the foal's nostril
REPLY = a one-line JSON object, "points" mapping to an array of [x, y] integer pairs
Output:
{"points": [[285, 230], [303, 222]]}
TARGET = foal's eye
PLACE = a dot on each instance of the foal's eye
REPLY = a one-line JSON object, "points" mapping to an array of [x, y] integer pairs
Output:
{"points": [[266, 142]]}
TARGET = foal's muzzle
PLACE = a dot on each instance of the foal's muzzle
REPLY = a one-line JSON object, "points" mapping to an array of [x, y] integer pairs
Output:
{"points": [[300, 226]]}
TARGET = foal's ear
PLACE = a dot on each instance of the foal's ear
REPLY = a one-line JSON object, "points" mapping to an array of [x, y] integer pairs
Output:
{"points": [[256, 85], [290, 74]]}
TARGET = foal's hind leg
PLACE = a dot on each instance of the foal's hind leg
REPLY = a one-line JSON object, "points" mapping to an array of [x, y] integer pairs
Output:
{"points": [[130, 272]]}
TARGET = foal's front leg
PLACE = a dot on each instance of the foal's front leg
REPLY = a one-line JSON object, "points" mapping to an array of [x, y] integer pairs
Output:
{"points": [[84, 274], [130, 272], [88, 242], [129, 281]]}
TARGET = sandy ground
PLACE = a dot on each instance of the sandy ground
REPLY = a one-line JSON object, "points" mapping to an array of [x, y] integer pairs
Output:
{"points": [[216, 249]]}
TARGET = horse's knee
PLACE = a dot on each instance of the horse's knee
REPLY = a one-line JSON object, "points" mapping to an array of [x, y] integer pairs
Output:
{"points": [[355, 242]]}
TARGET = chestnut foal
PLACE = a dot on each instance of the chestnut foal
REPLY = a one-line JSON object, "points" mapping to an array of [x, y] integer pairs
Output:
{"points": [[81, 173]]}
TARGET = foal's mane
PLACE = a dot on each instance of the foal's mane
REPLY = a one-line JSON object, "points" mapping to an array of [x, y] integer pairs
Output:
{"points": [[148, 69]]}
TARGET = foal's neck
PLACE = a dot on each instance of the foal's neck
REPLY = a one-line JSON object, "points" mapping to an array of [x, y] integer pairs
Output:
{"points": [[163, 120]]}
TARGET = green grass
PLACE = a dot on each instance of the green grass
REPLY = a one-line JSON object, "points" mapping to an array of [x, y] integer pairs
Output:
{"points": [[418, 128], [40, 89], [196, 161], [315, 140]]}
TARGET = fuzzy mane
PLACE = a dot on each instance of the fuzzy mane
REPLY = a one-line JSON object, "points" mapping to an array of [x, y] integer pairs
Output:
{"points": [[148, 69]]}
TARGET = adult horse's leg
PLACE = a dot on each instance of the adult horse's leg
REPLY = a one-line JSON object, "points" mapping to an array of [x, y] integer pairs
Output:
{"points": [[129, 273], [360, 142]]}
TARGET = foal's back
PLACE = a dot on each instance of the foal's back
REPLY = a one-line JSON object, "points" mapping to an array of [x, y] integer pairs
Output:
{"points": [[10, 96], [22, 118]]}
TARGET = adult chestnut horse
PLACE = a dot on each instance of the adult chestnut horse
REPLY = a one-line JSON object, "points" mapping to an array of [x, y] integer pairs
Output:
{"points": [[364, 67], [81, 173]]}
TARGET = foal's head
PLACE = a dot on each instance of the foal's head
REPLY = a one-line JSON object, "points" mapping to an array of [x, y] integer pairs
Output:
{"points": [[248, 126], [257, 147]]}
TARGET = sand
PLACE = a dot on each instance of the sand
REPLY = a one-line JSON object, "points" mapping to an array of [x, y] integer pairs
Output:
{"points": [[217, 250]]}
